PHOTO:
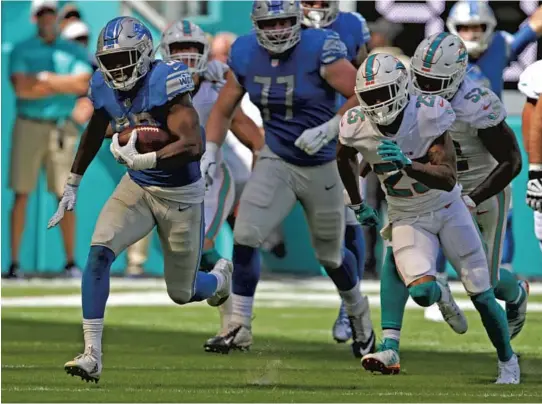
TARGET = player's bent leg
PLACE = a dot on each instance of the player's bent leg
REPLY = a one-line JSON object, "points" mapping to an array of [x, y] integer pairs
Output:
{"points": [[266, 201], [219, 200], [124, 219], [355, 243], [393, 298], [321, 195], [415, 248], [463, 246]]}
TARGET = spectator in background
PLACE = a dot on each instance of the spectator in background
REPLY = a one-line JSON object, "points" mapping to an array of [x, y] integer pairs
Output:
{"points": [[69, 13], [220, 46], [48, 74], [383, 33]]}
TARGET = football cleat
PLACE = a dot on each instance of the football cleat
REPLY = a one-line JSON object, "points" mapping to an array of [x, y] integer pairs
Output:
{"points": [[451, 312], [364, 340], [509, 372], [342, 331], [88, 365], [222, 268], [516, 313], [238, 338], [385, 361]]}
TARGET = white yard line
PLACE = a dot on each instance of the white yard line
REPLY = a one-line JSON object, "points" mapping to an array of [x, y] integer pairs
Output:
{"points": [[315, 284], [264, 298]]}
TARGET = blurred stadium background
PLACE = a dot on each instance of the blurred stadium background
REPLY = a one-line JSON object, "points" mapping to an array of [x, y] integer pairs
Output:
{"points": [[42, 251], [151, 354]]}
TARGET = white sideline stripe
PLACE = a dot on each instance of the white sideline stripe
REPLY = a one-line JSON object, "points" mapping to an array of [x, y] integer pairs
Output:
{"points": [[263, 299], [316, 284]]}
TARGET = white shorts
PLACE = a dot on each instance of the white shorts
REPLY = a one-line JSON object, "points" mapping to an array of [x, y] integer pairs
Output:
{"points": [[416, 243], [219, 200]]}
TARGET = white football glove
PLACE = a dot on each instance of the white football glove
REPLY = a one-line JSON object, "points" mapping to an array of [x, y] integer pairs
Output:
{"points": [[534, 187], [129, 156], [208, 163], [469, 202], [312, 140], [215, 73], [67, 202]]}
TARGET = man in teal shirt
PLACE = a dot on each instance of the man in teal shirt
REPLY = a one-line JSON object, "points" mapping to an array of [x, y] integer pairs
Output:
{"points": [[48, 74]]}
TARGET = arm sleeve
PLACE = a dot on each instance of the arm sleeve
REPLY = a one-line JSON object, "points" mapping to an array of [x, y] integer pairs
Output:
{"points": [[178, 80], [333, 49]]}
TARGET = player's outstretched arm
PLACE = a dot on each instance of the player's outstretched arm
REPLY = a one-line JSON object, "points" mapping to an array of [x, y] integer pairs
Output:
{"points": [[535, 136], [526, 119], [91, 141], [501, 142], [247, 131], [222, 113], [440, 171], [183, 124], [341, 75], [347, 162]]}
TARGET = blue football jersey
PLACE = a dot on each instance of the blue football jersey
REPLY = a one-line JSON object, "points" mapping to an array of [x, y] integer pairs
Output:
{"points": [[290, 92], [161, 84], [488, 69], [353, 31]]}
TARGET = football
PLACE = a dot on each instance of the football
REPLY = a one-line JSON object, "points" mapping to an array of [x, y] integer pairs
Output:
{"points": [[149, 138]]}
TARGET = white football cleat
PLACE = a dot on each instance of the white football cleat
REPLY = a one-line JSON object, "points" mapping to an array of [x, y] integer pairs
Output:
{"points": [[509, 372], [432, 313], [239, 337], [385, 362], [451, 312], [223, 268], [88, 365]]}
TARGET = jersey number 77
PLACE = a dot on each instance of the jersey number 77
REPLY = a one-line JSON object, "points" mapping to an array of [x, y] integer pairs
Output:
{"points": [[289, 82]]}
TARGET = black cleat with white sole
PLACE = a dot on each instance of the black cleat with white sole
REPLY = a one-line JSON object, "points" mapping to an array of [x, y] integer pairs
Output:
{"points": [[82, 373], [223, 344]]}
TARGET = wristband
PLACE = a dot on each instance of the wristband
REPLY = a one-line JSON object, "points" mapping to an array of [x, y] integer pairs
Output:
{"points": [[74, 179]]}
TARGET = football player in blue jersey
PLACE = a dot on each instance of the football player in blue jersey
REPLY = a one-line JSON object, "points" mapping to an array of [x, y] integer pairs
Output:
{"points": [[490, 52], [292, 76], [162, 188], [354, 33]]}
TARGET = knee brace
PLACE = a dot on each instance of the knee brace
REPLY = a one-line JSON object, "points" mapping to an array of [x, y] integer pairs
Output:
{"points": [[425, 294]]}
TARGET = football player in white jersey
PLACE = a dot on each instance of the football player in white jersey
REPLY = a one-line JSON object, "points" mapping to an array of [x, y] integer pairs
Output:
{"points": [[530, 84], [185, 41], [488, 156], [406, 142]]}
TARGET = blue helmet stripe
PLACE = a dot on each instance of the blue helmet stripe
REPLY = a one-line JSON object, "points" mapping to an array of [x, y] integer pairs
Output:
{"points": [[473, 8]]}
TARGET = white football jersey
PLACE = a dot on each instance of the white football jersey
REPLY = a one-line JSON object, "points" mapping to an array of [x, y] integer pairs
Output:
{"points": [[475, 108], [204, 100], [425, 119], [530, 81]]}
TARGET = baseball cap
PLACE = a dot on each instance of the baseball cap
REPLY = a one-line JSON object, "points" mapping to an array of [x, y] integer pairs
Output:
{"points": [[75, 30], [38, 5]]}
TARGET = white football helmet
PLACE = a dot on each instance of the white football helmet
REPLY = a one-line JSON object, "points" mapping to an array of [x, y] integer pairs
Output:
{"points": [[382, 88], [186, 34], [439, 65], [319, 17], [265, 13], [473, 13]]}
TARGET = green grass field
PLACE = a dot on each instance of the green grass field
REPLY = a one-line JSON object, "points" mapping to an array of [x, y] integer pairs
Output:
{"points": [[154, 354]]}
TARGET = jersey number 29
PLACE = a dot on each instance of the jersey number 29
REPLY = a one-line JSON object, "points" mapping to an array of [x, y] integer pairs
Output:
{"points": [[266, 82]]}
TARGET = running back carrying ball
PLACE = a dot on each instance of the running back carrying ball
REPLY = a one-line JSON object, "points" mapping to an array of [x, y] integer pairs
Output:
{"points": [[149, 138]]}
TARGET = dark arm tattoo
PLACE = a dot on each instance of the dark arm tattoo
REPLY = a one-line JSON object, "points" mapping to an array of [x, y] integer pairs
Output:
{"points": [[91, 141], [440, 171], [501, 142], [183, 124], [347, 162]]}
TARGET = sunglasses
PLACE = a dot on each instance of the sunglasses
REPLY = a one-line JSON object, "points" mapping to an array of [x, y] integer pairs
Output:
{"points": [[45, 10], [73, 13]]}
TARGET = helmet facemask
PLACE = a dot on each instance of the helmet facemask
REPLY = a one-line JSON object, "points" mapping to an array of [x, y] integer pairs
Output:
{"points": [[122, 68], [194, 55], [426, 83], [382, 104], [319, 17], [278, 40]]}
